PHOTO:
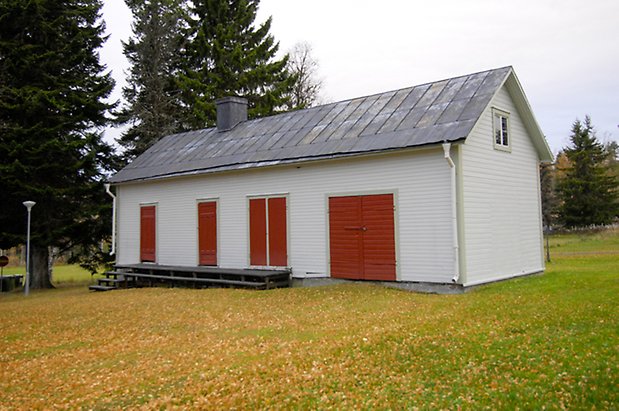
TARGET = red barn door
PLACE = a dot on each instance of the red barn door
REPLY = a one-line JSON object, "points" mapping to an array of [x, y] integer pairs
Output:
{"points": [[378, 238], [207, 233], [345, 237], [362, 237], [148, 233]]}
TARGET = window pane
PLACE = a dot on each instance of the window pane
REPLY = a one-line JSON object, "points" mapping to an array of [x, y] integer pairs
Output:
{"points": [[497, 129], [504, 128]]}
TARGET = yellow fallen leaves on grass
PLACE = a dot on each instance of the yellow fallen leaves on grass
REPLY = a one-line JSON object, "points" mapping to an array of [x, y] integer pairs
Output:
{"points": [[534, 342]]}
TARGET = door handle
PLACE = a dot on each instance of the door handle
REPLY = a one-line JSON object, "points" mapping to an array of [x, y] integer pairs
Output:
{"points": [[359, 228]]}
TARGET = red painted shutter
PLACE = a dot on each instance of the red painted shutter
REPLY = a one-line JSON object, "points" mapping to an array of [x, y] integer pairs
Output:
{"points": [[207, 233], [148, 233], [278, 247], [378, 238], [345, 237], [361, 237], [257, 232]]}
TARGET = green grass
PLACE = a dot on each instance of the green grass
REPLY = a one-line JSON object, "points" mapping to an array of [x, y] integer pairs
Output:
{"points": [[62, 275], [606, 241], [548, 341]]}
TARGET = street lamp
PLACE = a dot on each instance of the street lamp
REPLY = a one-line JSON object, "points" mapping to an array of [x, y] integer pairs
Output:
{"points": [[28, 205]]}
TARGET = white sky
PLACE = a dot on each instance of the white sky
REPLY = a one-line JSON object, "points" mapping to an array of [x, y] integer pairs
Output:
{"points": [[565, 53]]}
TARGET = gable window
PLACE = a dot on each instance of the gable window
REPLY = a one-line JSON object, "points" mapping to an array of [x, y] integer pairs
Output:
{"points": [[502, 137]]}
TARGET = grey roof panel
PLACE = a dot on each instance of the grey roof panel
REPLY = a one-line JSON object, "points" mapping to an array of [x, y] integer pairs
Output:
{"points": [[376, 124], [470, 86], [411, 101], [452, 112], [451, 90], [286, 138], [475, 106], [432, 93], [393, 121], [430, 113], [383, 116]]}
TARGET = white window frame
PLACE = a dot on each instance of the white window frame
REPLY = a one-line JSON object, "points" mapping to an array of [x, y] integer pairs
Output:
{"points": [[501, 126]]}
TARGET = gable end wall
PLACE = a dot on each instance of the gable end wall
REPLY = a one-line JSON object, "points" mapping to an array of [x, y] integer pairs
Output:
{"points": [[501, 201]]}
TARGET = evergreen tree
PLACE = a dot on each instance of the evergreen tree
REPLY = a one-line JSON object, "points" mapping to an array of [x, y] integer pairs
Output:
{"points": [[152, 95], [587, 191], [52, 89], [226, 56]]}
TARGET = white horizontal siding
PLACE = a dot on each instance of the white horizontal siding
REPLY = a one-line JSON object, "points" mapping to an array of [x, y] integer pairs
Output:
{"points": [[501, 201], [420, 181]]}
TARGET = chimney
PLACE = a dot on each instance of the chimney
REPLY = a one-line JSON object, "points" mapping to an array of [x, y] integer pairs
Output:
{"points": [[230, 112]]}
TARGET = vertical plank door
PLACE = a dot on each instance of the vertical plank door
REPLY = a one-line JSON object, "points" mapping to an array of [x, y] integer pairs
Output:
{"points": [[378, 238], [257, 232], [361, 237], [345, 237], [148, 233], [278, 247], [207, 232]]}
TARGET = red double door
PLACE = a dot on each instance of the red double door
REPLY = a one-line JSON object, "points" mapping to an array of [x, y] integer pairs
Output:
{"points": [[362, 238], [268, 245]]}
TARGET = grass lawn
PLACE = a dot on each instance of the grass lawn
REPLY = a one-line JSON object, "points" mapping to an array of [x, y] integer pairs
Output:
{"points": [[62, 275], [549, 341]]}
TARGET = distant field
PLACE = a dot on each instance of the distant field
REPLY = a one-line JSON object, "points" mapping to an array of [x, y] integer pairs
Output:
{"points": [[600, 242], [61, 275], [549, 341]]}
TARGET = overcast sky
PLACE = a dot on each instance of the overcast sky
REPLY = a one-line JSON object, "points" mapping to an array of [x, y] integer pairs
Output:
{"points": [[565, 53]]}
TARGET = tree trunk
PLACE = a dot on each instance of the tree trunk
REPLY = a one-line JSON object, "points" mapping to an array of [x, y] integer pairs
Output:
{"points": [[40, 271]]}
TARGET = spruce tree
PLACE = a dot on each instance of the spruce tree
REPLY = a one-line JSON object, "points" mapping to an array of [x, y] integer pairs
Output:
{"points": [[52, 91], [154, 52], [587, 191], [227, 55]]}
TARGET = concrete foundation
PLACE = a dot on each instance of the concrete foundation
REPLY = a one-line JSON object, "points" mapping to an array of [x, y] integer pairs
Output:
{"points": [[428, 288]]}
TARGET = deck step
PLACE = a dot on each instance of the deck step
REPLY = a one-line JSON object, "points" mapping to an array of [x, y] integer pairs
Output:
{"points": [[119, 279], [102, 288], [115, 274]]}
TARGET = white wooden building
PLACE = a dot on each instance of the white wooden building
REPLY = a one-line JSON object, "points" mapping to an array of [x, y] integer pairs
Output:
{"points": [[436, 183]]}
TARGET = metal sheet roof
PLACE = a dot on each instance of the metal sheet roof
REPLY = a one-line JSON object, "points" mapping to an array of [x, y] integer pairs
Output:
{"points": [[445, 110]]}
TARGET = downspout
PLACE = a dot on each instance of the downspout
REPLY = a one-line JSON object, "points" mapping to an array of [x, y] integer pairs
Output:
{"points": [[454, 212], [107, 190]]}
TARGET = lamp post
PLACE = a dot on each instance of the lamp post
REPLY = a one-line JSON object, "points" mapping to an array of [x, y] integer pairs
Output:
{"points": [[28, 205]]}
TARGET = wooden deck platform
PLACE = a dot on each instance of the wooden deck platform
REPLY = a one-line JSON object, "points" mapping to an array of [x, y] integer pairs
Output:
{"points": [[150, 275]]}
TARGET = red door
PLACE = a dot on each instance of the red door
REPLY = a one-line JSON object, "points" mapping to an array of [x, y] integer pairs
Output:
{"points": [[257, 232], [207, 233], [362, 239], [268, 232], [346, 240], [148, 234], [278, 247]]}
